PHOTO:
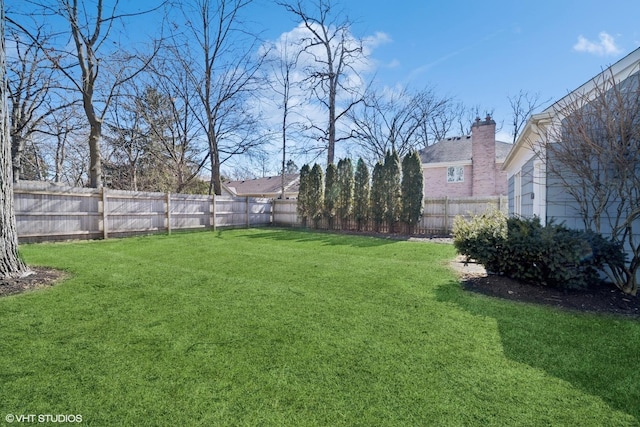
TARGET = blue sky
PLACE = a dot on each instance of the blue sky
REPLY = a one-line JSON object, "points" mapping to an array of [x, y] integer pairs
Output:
{"points": [[483, 51], [478, 52]]}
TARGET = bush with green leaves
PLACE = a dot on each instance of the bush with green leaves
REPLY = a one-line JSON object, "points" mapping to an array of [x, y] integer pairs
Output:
{"points": [[524, 249], [362, 190], [481, 238], [315, 194], [412, 189], [392, 190], [303, 195], [345, 181], [378, 199], [330, 192]]}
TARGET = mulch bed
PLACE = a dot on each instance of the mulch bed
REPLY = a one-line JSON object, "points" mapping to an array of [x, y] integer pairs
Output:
{"points": [[605, 298], [40, 278]]}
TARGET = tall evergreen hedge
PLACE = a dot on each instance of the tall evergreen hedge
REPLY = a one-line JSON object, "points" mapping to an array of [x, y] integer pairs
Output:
{"points": [[392, 189], [362, 190], [412, 190], [345, 181], [378, 199], [394, 193], [316, 194], [303, 194], [330, 192]]}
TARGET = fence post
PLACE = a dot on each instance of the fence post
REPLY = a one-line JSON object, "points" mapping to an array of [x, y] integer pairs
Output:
{"points": [[446, 214], [105, 215], [247, 211], [212, 211], [168, 213]]}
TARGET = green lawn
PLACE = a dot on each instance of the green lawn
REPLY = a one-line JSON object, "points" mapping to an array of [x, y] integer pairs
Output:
{"points": [[284, 328]]}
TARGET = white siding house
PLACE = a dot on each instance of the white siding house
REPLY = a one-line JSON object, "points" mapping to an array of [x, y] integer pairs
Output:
{"points": [[537, 186], [531, 190]]}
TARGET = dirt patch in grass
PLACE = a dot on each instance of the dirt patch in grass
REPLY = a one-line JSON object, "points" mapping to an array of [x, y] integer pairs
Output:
{"points": [[604, 298], [40, 277]]}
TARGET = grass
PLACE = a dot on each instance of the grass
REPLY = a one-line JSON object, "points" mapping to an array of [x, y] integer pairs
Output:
{"points": [[276, 327]]}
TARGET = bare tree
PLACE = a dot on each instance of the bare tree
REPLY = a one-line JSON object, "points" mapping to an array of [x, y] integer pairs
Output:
{"points": [[170, 112], [394, 121], [11, 265], [441, 122], [89, 34], [335, 55], [154, 133], [127, 141], [90, 27], [31, 81], [224, 72], [523, 105], [65, 132], [282, 81], [593, 154]]}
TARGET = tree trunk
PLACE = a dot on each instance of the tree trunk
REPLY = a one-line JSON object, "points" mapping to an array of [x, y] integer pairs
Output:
{"points": [[10, 263], [215, 175], [95, 160], [331, 146]]}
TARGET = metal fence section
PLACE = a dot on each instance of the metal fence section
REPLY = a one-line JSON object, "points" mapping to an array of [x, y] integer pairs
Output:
{"points": [[51, 212]]}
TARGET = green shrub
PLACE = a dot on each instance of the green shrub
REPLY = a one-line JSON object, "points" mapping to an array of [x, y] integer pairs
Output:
{"points": [[481, 238], [524, 249]]}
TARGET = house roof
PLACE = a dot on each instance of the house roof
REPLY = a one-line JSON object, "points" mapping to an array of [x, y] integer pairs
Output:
{"points": [[267, 186], [457, 149], [620, 70]]}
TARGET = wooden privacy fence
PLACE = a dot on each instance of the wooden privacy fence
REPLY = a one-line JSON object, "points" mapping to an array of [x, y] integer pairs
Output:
{"points": [[50, 212], [437, 218]]}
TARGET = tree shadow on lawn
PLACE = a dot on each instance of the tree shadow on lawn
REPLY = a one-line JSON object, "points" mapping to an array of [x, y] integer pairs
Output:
{"points": [[330, 238], [595, 353]]}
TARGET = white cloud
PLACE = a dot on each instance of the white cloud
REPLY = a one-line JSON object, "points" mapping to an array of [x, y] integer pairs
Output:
{"points": [[304, 108], [394, 63], [606, 45], [379, 38]]}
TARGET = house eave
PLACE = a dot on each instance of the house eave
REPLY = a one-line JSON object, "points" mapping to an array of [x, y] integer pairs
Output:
{"points": [[531, 129]]}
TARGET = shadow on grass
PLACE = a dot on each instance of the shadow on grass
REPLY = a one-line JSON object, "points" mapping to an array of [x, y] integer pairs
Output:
{"points": [[596, 354], [330, 238]]}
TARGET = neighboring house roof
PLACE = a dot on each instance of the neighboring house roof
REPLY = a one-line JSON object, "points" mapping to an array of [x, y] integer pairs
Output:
{"points": [[269, 186], [457, 149]]}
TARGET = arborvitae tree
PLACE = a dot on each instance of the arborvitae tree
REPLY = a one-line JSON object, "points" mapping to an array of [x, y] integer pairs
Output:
{"points": [[330, 193], [362, 189], [316, 194], [344, 205], [392, 189], [412, 190], [378, 200], [303, 195]]}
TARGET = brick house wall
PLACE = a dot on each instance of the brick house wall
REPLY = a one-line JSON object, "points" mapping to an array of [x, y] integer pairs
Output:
{"points": [[436, 185], [483, 157], [502, 186], [479, 155]]}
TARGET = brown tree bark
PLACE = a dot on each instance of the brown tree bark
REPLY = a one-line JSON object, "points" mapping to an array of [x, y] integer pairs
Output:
{"points": [[10, 263]]}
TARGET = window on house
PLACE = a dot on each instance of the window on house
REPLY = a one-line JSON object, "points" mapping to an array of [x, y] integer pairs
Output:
{"points": [[455, 174], [517, 194]]}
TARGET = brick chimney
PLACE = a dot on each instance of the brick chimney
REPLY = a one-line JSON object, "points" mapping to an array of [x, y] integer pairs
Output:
{"points": [[483, 156]]}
